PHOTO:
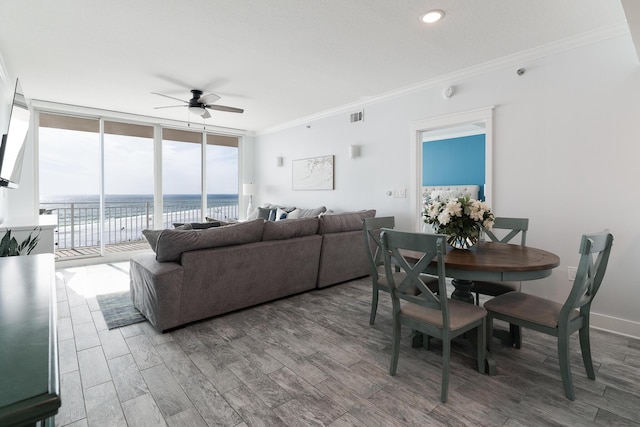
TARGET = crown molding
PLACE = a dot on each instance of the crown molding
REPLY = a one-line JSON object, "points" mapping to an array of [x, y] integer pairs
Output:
{"points": [[517, 59]]}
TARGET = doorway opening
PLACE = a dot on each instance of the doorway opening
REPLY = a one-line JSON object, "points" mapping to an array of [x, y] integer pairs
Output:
{"points": [[448, 129]]}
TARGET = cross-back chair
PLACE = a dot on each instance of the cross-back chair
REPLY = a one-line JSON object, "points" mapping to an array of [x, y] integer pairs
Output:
{"points": [[371, 230], [509, 228], [435, 315], [561, 320]]}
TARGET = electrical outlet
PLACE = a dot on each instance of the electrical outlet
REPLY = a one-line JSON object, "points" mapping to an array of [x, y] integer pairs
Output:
{"points": [[572, 273]]}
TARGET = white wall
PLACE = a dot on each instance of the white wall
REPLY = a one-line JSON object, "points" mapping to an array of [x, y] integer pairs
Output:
{"points": [[566, 152]]}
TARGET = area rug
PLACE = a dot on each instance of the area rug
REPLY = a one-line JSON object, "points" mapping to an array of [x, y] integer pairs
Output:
{"points": [[118, 310]]}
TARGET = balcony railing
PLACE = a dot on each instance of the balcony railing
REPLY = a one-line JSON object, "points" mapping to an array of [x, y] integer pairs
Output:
{"points": [[79, 222]]}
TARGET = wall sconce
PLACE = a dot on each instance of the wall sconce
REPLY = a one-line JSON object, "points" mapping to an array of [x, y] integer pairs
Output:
{"points": [[354, 151], [279, 161]]}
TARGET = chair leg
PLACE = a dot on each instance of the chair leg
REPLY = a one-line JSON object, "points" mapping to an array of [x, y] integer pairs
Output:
{"points": [[516, 335], [491, 363], [374, 305], [417, 339], [481, 344], [585, 348], [395, 347], [446, 357], [477, 298], [565, 365]]}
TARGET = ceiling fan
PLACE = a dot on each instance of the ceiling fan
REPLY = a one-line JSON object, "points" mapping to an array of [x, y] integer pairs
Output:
{"points": [[200, 104]]}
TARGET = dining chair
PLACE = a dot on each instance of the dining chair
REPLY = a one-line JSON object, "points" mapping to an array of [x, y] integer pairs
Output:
{"points": [[510, 228], [371, 229], [561, 320], [433, 315]]}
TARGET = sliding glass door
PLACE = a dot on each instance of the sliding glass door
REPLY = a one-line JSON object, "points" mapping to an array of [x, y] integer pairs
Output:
{"points": [[128, 182]]}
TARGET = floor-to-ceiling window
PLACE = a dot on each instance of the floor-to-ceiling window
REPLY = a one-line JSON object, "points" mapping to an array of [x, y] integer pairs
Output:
{"points": [[102, 178], [69, 175]]}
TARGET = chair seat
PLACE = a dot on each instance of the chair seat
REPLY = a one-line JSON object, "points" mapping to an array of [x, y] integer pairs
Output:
{"points": [[529, 308], [430, 281], [461, 314], [494, 288]]}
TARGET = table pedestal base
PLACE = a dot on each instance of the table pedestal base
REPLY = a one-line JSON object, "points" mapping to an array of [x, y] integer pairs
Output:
{"points": [[463, 290]]}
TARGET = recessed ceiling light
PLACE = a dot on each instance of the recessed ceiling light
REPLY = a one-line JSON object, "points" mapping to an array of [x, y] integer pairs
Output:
{"points": [[432, 16]]}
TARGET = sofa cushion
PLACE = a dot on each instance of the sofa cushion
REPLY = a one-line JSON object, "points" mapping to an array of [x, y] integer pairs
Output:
{"points": [[172, 243], [346, 221], [152, 237], [280, 230]]}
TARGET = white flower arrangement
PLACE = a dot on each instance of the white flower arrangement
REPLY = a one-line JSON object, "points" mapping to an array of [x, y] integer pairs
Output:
{"points": [[460, 218]]}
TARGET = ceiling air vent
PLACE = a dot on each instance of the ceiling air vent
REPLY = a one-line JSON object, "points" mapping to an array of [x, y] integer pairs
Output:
{"points": [[357, 117]]}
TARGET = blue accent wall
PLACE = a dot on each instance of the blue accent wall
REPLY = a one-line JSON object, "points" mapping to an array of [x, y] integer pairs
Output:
{"points": [[454, 161]]}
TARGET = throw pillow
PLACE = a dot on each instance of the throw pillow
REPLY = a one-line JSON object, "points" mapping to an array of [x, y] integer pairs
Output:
{"points": [[180, 226], [281, 214], [294, 214], [267, 214], [312, 213], [204, 225], [284, 208], [220, 222], [172, 243]]}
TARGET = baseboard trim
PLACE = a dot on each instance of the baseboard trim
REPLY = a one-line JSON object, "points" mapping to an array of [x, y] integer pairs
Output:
{"points": [[624, 327]]}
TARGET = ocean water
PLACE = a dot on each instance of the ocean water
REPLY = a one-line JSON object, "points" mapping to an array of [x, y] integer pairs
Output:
{"points": [[60, 201], [127, 215]]}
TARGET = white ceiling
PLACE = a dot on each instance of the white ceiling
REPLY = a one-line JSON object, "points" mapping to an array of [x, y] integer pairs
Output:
{"points": [[280, 60]]}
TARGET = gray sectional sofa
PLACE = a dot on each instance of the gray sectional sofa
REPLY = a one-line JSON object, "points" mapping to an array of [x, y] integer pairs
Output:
{"points": [[196, 274]]}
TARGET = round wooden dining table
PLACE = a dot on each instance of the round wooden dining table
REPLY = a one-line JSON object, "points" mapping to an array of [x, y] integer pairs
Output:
{"points": [[492, 261]]}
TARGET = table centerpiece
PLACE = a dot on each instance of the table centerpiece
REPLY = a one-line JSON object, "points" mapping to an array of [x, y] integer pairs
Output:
{"points": [[462, 219]]}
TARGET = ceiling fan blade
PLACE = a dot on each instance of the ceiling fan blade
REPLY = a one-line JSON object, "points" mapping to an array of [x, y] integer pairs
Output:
{"points": [[171, 97], [171, 106], [224, 108], [209, 98], [206, 114]]}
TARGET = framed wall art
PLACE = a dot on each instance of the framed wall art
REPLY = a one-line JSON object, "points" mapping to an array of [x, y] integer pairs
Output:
{"points": [[315, 173]]}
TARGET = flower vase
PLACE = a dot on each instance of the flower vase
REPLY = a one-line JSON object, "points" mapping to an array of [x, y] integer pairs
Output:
{"points": [[462, 242], [465, 240]]}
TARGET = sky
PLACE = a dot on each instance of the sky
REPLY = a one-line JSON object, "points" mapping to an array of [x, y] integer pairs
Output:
{"points": [[70, 164]]}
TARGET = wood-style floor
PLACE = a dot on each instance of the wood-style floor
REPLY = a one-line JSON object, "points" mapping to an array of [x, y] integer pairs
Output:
{"points": [[313, 359]]}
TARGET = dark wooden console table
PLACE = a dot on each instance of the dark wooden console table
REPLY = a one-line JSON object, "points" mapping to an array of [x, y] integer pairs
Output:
{"points": [[29, 375]]}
